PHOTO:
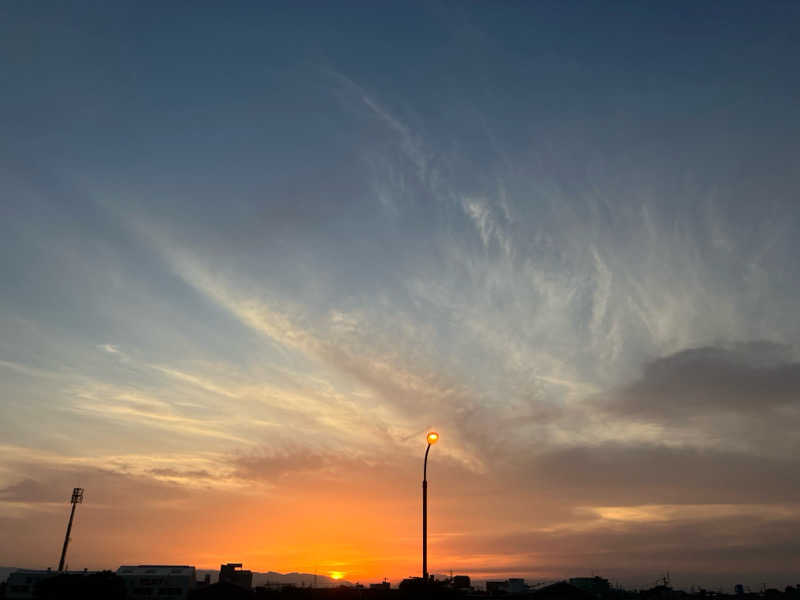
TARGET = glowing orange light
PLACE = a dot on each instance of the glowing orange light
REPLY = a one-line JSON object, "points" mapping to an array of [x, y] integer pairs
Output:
{"points": [[337, 574], [433, 437]]}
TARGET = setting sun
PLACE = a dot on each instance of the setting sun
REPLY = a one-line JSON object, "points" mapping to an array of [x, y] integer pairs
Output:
{"points": [[337, 574]]}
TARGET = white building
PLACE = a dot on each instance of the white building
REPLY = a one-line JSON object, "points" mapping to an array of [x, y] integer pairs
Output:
{"points": [[165, 582]]}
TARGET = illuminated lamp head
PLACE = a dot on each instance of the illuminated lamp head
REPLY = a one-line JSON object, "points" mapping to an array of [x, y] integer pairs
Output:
{"points": [[432, 437]]}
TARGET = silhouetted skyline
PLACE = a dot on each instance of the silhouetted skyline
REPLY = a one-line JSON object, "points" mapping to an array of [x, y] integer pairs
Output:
{"points": [[251, 253]]}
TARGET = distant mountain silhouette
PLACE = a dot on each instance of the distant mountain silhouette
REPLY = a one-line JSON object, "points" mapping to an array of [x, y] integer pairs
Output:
{"points": [[298, 579]]}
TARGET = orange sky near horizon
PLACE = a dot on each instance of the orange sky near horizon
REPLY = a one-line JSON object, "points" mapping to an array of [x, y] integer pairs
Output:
{"points": [[246, 266]]}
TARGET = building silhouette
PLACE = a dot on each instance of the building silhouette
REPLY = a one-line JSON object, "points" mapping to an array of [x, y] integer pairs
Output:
{"points": [[166, 582], [27, 584], [597, 586], [233, 573], [514, 585], [24, 583]]}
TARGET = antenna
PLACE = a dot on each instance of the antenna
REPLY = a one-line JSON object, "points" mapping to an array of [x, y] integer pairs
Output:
{"points": [[77, 498]]}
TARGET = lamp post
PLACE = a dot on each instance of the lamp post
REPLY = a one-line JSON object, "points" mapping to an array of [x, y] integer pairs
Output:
{"points": [[432, 438]]}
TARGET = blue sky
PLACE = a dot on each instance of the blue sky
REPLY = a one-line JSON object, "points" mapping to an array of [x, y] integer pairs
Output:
{"points": [[265, 245]]}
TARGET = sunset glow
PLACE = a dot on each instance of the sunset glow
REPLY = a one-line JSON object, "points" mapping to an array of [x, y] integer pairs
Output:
{"points": [[253, 254]]}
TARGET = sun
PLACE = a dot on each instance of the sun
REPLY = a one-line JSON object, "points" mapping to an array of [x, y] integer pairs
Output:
{"points": [[336, 574]]}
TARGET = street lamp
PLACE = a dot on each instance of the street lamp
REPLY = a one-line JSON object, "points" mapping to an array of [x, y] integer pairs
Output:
{"points": [[432, 438]]}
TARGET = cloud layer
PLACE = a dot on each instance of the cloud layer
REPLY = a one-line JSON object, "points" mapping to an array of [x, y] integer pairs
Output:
{"points": [[246, 267]]}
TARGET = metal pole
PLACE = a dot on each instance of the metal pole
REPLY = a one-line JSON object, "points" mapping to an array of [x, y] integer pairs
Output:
{"points": [[66, 539], [425, 516]]}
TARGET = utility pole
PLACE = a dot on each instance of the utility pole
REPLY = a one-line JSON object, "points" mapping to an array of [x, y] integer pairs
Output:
{"points": [[77, 498]]}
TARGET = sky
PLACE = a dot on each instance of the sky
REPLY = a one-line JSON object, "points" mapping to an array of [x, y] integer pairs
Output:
{"points": [[251, 253]]}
